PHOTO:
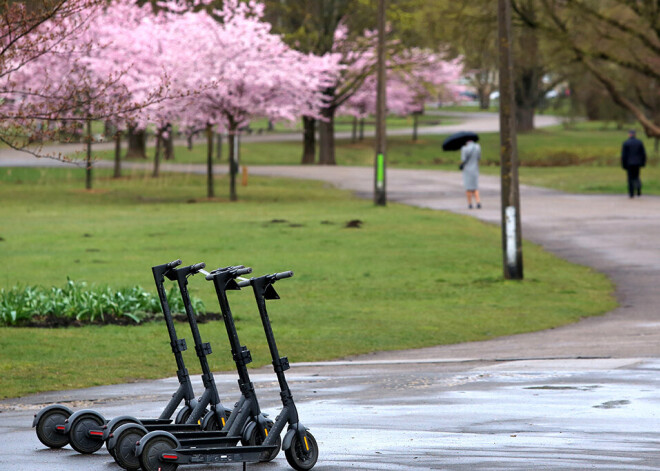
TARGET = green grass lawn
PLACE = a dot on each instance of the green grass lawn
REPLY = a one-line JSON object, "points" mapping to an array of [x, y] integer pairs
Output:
{"points": [[407, 278]]}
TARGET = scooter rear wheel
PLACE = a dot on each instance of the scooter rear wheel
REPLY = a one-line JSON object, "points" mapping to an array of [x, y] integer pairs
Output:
{"points": [[150, 456], [79, 434], [256, 439], [302, 456], [46, 428], [124, 449]]}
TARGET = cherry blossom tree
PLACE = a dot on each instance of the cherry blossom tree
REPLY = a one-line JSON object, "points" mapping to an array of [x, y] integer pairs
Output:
{"points": [[413, 74], [254, 73], [29, 32], [416, 75], [79, 64]]}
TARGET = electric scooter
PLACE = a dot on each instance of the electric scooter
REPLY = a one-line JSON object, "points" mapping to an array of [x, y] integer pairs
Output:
{"points": [[299, 445], [163, 451], [121, 441], [57, 425]]}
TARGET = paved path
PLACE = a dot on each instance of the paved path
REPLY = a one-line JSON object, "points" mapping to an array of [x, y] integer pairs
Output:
{"points": [[578, 397]]}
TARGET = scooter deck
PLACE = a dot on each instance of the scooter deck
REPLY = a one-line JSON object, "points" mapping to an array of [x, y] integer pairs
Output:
{"points": [[205, 441], [216, 454]]}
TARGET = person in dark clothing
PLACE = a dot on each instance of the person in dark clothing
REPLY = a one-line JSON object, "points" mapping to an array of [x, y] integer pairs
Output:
{"points": [[633, 157]]}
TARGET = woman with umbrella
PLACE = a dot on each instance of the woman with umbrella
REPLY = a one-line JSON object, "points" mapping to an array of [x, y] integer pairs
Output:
{"points": [[470, 157]]}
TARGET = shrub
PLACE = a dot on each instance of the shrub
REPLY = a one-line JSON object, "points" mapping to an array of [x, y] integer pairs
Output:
{"points": [[77, 301]]}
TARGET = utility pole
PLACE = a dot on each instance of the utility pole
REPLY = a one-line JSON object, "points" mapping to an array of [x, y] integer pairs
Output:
{"points": [[380, 191], [510, 193]]}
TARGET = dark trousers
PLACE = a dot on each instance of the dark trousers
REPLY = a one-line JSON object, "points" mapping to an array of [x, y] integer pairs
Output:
{"points": [[634, 183]]}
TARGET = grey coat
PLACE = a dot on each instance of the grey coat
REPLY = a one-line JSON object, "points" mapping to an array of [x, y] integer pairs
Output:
{"points": [[471, 169]]}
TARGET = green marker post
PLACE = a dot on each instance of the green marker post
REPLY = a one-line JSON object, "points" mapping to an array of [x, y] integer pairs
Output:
{"points": [[380, 186]]}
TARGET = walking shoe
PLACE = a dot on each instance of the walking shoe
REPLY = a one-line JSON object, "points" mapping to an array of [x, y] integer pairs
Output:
{"points": [[469, 206], [478, 205]]}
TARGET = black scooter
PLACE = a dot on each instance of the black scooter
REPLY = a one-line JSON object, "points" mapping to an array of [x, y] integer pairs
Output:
{"points": [[121, 441], [57, 425], [163, 451], [299, 444]]}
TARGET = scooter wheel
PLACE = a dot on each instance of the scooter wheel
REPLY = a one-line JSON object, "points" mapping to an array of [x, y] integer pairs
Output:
{"points": [[46, 428], [302, 456], [124, 449], [212, 423], [183, 415], [110, 449], [79, 434], [256, 439], [150, 456]]}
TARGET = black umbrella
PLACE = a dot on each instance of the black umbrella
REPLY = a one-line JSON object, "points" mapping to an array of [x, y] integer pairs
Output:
{"points": [[458, 140]]}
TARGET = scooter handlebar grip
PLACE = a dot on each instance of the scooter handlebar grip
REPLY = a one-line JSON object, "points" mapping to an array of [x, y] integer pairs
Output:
{"points": [[173, 264], [197, 267], [243, 284], [282, 275], [243, 271]]}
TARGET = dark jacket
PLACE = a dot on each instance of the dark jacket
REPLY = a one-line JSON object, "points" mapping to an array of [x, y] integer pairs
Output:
{"points": [[633, 153]]}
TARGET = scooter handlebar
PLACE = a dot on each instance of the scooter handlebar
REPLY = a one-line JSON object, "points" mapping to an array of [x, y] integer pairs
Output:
{"points": [[197, 267], [236, 271], [282, 275], [173, 264], [271, 278]]}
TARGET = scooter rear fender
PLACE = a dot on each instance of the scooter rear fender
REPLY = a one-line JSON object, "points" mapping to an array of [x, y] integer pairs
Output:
{"points": [[38, 415], [72, 419]]}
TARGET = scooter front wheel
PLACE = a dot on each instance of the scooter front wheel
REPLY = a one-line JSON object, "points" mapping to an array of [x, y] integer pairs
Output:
{"points": [[46, 428], [302, 455], [79, 434], [153, 449], [124, 449]]}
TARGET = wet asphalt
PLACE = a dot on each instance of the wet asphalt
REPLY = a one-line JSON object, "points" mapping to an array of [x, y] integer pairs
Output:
{"points": [[573, 398], [415, 414]]}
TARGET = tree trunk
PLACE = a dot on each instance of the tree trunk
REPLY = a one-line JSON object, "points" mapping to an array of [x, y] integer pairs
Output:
{"points": [[361, 136], [524, 119], [210, 192], [233, 160], [137, 144], [168, 143], [88, 159], [309, 140], [415, 125], [117, 169], [327, 137], [528, 76], [484, 99], [159, 140], [218, 152], [354, 130]]}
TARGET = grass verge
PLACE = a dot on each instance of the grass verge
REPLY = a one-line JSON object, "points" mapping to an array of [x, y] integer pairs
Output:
{"points": [[406, 278]]}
